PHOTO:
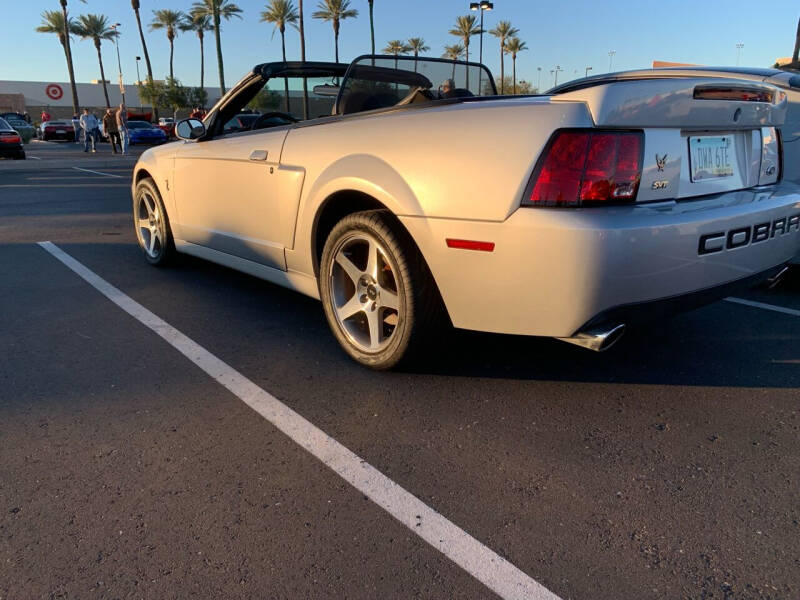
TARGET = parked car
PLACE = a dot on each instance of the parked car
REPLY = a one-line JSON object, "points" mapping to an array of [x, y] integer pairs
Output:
{"points": [[167, 125], [10, 142], [412, 205], [142, 132], [787, 81], [26, 131], [57, 130]]}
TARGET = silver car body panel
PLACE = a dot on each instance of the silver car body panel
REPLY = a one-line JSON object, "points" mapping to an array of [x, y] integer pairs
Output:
{"points": [[460, 171]]}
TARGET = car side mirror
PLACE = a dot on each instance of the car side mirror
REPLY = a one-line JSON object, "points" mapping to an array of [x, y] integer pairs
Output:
{"points": [[190, 129]]}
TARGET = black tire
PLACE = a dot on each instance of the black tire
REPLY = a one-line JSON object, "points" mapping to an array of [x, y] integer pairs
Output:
{"points": [[420, 313], [161, 251]]}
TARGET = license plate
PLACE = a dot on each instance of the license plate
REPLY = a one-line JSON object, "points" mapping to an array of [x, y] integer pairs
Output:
{"points": [[711, 157]]}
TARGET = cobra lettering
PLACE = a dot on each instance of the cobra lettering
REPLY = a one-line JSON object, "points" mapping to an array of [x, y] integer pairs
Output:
{"points": [[744, 236]]}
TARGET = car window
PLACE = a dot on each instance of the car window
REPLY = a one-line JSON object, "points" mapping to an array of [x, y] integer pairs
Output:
{"points": [[138, 125], [4, 124]]}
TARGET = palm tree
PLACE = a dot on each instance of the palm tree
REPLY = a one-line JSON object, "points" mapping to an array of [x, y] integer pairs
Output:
{"points": [[218, 10], [53, 22], [135, 4], [417, 45], [513, 47], [67, 23], [170, 20], [199, 24], [335, 11], [453, 53], [281, 12], [503, 31], [395, 48], [465, 28], [96, 27], [796, 51], [372, 27]]}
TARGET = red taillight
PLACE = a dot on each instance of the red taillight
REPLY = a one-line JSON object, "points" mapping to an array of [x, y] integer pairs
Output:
{"points": [[10, 138], [587, 167]]}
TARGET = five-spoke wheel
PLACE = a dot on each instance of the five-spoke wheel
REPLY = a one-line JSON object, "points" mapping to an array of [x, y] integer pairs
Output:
{"points": [[151, 223]]}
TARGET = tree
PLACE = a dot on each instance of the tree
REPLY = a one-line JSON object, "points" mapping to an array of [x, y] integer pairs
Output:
{"points": [[453, 53], [303, 57], [281, 12], [170, 20], [53, 22], [523, 87], [266, 100], [175, 96], [513, 47], [796, 51], [503, 31], [199, 24], [67, 23], [417, 45], [135, 4], [465, 28], [197, 96], [371, 27], [96, 28], [218, 10], [335, 11], [152, 92]]}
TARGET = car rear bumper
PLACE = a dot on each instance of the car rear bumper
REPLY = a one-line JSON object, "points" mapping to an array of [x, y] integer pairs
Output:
{"points": [[10, 149], [553, 271]]}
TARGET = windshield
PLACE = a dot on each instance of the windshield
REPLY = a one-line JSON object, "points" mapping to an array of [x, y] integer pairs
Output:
{"points": [[139, 125], [4, 125], [374, 82]]}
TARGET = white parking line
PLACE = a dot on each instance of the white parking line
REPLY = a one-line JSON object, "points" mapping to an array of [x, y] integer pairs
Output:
{"points": [[476, 559], [34, 157], [97, 172], [772, 307]]}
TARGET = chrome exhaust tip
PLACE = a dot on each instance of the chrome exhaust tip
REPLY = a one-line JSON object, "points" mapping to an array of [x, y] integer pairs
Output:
{"points": [[599, 339], [776, 279]]}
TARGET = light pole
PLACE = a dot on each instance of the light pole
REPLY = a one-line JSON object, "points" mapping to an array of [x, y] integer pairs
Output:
{"points": [[481, 6], [539, 81], [739, 47], [138, 78], [558, 68], [611, 54], [551, 76], [586, 73], [119, 62]]}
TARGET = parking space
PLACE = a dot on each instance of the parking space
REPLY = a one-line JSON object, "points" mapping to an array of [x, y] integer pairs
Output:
{"points": [[665, 468]]}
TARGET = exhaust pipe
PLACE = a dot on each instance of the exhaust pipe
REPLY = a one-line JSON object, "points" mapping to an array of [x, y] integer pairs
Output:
{"points": [[777, 278], [599, 339]]}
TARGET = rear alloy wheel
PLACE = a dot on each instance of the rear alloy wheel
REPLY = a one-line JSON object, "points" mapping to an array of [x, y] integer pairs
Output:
{"points": [[151, 223], [377, 293]]}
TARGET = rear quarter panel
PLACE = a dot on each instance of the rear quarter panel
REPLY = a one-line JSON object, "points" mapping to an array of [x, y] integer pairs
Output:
{"points": [[462, 161]]}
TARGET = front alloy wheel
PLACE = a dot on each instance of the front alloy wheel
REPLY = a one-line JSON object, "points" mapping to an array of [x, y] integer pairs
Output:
{"points": [[150, 221]]}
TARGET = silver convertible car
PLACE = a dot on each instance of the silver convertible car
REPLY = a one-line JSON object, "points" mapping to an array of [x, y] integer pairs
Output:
{"points": [[407, 196]]}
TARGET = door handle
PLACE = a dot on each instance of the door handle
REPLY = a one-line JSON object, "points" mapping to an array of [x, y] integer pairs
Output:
{"points": [[258, 155]]}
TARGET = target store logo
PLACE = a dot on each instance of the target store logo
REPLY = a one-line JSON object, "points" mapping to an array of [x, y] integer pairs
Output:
{"points": [[54, 91]]}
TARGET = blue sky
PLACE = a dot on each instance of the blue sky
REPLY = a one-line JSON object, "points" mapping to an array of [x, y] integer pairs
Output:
{"points": [[571, 33]]}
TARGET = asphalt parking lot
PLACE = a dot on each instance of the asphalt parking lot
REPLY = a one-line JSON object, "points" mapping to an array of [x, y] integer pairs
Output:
{"points": [[664, 468]]}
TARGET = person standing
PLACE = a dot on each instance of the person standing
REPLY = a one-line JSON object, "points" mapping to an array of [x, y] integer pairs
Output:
{"points": [[111, 130], [89, 126], [46, 116], [122, 127]]}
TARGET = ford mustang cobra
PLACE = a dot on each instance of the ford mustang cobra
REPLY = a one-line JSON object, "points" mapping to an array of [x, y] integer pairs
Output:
{"points": [[405, 194]]}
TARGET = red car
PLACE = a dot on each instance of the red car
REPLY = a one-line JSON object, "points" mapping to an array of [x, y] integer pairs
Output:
{"points": [[167, 125]]}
